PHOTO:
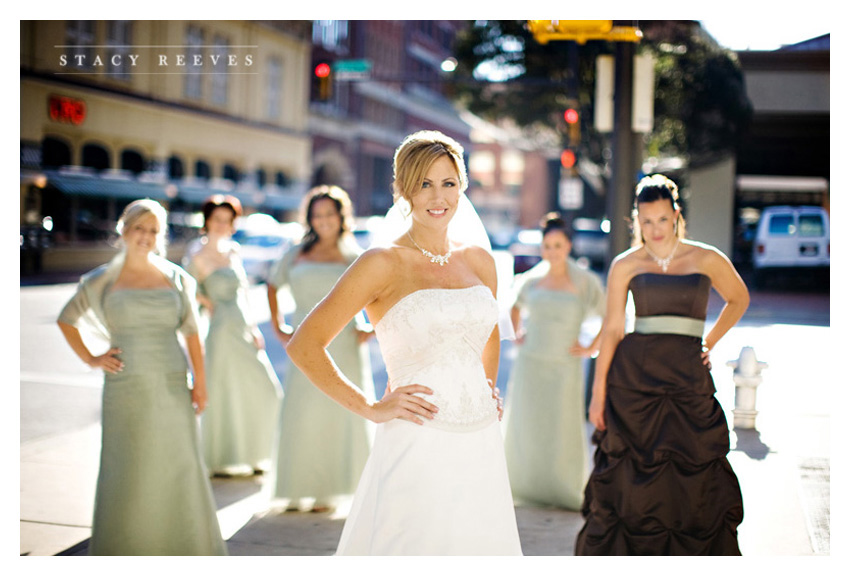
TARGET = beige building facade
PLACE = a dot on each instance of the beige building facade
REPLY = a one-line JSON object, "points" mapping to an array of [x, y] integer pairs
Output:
{"points": [[174, 110]]}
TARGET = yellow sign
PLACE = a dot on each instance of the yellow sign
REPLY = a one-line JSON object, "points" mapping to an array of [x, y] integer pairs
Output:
{"points": [[582, 30]]}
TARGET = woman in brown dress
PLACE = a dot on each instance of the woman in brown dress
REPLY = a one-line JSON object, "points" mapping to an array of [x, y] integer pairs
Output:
{"points": [[661, 483]]}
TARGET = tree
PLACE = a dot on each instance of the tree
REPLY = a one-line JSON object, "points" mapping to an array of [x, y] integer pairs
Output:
{"points": [[701, 106]]}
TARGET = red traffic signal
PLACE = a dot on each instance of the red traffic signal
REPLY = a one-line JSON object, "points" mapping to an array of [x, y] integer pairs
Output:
{"points": [[323, 81], [568, 158], [571, 115]]}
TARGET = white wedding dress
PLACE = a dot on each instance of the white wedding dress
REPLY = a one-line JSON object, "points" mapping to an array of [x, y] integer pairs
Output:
{"points": [[441, 488]]}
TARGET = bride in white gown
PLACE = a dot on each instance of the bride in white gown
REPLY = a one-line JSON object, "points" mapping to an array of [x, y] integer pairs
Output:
{"points": [[436, 482]]}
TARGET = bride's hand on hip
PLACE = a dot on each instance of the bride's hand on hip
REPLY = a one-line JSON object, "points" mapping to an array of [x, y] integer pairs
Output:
{"points": [[401, 403]]}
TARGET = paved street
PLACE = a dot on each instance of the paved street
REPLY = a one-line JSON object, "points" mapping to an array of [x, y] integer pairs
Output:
{"points": [[783, 465]]}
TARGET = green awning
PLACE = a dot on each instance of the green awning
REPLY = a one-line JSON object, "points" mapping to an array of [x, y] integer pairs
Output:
{"points": [[96, 186], [87, 184], [257, 199]]}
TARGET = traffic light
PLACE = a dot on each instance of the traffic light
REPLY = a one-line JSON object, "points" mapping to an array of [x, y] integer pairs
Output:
{"points": [[568, 158], [573, 120], [323, 73]]}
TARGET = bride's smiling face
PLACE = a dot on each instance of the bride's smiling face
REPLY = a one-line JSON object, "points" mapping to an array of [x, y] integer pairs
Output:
{"points": [[438, 195]]}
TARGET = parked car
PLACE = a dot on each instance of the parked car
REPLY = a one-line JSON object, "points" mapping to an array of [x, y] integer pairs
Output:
{"points": [[365, 228], [791, 237], [591, 242], [526, 249], [502, 238], [263, 241], [35, 240]]}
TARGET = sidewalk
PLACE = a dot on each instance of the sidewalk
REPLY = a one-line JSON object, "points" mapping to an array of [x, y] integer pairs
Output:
{"points": [[783, 466]]}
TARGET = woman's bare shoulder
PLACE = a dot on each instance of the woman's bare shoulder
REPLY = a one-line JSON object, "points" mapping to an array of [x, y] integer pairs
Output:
{"points": [[478, 255], [378, 266], [379, 257], [706, 254], [625, 263]]}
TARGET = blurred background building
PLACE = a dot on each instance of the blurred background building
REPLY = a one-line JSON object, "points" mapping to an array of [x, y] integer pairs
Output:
{"points": [[112, 111], [784, 156], [376, 81]]}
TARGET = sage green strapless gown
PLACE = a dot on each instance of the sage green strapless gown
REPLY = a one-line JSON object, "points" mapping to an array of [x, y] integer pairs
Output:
{"points": [[546, 444], [239, 426], [153, 493], [322, 447]]}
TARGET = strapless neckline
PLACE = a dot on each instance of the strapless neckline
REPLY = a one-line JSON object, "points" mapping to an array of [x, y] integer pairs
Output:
{"points": [[420, 291], [657, 294]]}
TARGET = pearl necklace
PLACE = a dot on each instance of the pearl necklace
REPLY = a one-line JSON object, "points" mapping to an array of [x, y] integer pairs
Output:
{"points": [[663, 262], [435, 258]]}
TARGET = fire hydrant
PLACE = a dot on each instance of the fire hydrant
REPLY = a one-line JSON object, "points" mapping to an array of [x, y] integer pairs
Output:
{"points": [[747, 377]]}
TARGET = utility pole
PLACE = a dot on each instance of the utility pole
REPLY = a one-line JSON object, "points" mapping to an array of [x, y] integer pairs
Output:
{"points": [[625, 153]]}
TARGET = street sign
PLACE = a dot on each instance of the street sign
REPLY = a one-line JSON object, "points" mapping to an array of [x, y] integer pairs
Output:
{"points": [[643, 93], [570, 193], [582, 30], [352, 69]]}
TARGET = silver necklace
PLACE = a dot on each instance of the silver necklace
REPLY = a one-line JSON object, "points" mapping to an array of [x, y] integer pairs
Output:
{"points": [[435, 258], [663, 262]]}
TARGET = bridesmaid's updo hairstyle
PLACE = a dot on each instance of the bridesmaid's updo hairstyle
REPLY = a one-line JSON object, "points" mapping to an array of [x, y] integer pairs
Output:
{"points": [[651, 189], [221, 201], [140, 208], [554, 221], [414, 157], [342, 202]]}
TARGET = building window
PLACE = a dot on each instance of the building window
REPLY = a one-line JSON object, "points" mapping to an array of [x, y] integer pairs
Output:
{"points": [[331, 34], [81, 33], [119, 38], [230, 173], [219, 77], [96, 157], [274, 88], [175, 168], [195, 42], [55, 153], [202, 170], [132, 161], [281, 180], [482, 168], [260, 177], [512, 168]]}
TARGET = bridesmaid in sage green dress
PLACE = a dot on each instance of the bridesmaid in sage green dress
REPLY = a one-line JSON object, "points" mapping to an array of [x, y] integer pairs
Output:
{"points": [[545, 431], [239, 426], [153, 493], [322, 447]]}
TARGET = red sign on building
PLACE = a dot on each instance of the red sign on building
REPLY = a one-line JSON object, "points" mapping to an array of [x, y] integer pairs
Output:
{"points": [[66, 109]]}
